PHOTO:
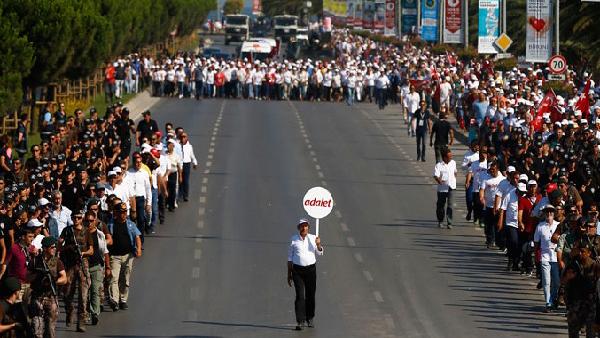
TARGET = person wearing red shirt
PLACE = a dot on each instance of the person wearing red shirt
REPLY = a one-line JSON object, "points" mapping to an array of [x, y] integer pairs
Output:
{"points": [[18, 257], [220, 83], [527, 223], [109, 82], [271, 84]]}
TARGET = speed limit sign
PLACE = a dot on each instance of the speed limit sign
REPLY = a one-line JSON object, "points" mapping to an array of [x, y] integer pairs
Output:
{"points": [[557, 64]]}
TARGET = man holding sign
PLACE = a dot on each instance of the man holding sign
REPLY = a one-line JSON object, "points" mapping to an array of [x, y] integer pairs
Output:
{"points": [[302, 271]]}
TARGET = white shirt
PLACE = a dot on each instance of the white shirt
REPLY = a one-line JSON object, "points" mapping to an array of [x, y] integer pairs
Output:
{"points": [[446, 172], [542, 235], [141, 184], [302, 251], [188, 153], [477, 169], [445, 89], [470, 158], [510, 204], [62, 218], [490, 186], [412, 102]]}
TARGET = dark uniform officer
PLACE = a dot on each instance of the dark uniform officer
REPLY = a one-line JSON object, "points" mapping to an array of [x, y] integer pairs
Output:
{"points": [[11, 311], [580, 285], [76, 245], [48, 272]]}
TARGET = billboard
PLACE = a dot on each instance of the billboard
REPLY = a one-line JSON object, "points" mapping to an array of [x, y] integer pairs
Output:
{"points": [[430, 20], [390, 17], [453, 22], [408, 10], [379, 19], [358, 13], [336, 9], [350, 6], [538, 45], [368, 14], [489, 26]]}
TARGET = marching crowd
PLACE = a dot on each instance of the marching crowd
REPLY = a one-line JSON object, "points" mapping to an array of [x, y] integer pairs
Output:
{"points": [[73, 215], [533, 167]]}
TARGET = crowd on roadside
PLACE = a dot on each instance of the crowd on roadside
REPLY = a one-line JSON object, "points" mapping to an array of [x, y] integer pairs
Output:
{"points": [[74, 211], [532, 171]]}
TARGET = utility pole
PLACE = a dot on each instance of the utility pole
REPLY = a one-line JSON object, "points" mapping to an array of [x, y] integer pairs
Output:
{"points": [[442, 12], [419, 18], [503, 16], [557, 27], [466, 23]]}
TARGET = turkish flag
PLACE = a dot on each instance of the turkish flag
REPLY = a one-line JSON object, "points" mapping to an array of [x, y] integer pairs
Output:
{"points": [[584, 101], [547, 105]]}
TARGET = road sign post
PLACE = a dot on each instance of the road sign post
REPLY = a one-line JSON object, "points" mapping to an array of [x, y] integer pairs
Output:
{"points": [[318, 203], [557, 64]]}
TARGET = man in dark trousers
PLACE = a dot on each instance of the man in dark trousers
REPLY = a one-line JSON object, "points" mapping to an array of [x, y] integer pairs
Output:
{"points": [[145, 128], [302, 271], [423, 127], [444, 135]]}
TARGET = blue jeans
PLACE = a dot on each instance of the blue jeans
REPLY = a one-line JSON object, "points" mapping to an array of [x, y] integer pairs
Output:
{"points": [[469, 197], [550, 281], [350, 96], [257, 92], [154, 209], [140, 219]]}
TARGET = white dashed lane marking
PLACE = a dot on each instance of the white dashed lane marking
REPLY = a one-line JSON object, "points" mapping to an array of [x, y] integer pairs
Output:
{"points": [[344, 227], [195, 272], [351, 241], [378, 296], [198, 253], [368, 275]]}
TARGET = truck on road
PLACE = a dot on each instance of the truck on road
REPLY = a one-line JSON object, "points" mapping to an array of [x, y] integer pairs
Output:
{"points": [[237, 28], [285, 27]]}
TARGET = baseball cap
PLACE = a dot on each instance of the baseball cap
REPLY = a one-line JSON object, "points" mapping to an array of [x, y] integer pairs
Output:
{"points": [[48, 241], [303, 220], [34, 223], [522, 187]]}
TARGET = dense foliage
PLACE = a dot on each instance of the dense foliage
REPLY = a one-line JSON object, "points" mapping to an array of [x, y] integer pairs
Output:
{"points": [[233, 6], [47, 40]]}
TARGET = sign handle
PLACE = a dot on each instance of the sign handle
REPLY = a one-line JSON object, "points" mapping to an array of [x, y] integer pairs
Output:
{"points": [[317, 227]]}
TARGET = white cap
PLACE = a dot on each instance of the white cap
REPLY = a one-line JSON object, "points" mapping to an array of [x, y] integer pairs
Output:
{"points": [[42, 201], [521, 187], [532, 182], [523, 177], [34, 223], [117, 170], [510, 169], [111, 173]]}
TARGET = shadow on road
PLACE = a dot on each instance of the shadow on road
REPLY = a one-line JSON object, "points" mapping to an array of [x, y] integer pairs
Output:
{"points": [[499, 301], [259, 326]]}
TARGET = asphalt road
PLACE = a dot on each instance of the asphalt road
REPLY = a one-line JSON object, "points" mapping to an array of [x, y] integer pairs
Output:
{"points": [[217, 267]]}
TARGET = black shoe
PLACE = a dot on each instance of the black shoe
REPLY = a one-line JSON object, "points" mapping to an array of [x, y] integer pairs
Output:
{"points": [[162, 221], [68, 322], [101, 308], [423, 160], [80, 328], [123, 306], [94, 320], [468, 216], [309, 323], [185, 199], [539, 285], [299, 326], [114, 306]]}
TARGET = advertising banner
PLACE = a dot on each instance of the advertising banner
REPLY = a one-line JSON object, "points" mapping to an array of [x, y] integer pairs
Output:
{"points": [[350, 6], [489, 26], [430, 20], [538, 46], [453, 22], [358, 13], [256, 7], [336, 9], [409, 13], [368, 14], [379, 21], [390, 17]]}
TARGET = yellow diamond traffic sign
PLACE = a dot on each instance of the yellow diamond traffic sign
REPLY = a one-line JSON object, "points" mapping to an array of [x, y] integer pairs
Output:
{"points": [[503, 42]]}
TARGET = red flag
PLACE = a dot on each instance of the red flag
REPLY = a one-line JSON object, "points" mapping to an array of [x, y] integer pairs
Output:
{"points": [[546, 106], [584, 101]]}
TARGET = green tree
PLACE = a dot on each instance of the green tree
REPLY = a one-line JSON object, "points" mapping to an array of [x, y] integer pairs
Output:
{"points": [[233, 7], [16, 59], [292, 7]]}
